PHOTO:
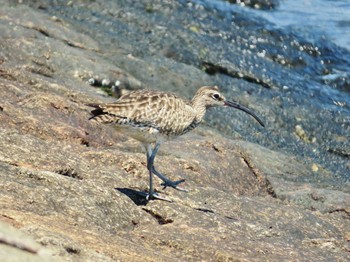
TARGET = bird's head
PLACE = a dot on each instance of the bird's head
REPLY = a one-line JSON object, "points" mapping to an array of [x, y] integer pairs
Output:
{"points": [[210, 96]]}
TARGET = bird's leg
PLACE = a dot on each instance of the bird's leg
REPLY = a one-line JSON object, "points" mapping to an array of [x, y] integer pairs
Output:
{"points": [[151, 191], [151, 194], [151, 154]]}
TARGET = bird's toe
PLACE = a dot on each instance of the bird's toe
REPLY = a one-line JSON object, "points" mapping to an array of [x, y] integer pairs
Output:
{"points": [[174, 184], [154, 196]]}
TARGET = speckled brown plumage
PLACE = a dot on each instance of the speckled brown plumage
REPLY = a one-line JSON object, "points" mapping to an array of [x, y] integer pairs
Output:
{"points": [[151, 116], [154, 117]]}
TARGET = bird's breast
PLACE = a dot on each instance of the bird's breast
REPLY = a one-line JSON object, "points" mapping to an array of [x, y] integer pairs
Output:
{"points": [[144, 134]]}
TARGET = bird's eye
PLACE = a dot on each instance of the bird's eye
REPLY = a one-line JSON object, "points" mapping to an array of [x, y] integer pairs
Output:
{"points": [[216, 96]]}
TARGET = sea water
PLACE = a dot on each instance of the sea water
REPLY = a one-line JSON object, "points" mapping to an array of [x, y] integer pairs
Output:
{"points": [[327, 18]]}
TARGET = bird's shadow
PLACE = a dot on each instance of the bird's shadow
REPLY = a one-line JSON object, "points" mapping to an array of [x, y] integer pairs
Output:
{"points": [[138, 197]]}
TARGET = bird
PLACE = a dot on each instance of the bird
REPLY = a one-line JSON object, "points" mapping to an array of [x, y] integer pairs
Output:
{"points": [[153, 117]]}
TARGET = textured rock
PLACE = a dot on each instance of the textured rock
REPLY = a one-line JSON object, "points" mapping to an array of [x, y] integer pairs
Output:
{"points": [[69, 185]]}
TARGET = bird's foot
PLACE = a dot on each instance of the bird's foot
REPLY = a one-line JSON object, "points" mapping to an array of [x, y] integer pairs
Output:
{"points": [[174, 184], [167, 182], [153, 196]]}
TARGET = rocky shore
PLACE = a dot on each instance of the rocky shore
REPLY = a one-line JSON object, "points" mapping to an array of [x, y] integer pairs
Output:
{"points": [[67, 186]]}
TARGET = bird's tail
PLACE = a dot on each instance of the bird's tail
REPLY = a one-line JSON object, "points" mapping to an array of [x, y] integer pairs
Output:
{"points": [[100, 115], [96, 112]]}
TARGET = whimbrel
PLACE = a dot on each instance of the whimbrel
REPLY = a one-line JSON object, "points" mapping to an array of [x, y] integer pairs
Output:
{"points": [[153, 117]]}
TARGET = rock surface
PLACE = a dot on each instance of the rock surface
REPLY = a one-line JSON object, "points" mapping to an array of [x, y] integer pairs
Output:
{"points": [[68, 186]]}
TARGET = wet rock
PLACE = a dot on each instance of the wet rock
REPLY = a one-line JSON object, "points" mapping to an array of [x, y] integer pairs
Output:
{"points": [[258, 4], [300, 132]]}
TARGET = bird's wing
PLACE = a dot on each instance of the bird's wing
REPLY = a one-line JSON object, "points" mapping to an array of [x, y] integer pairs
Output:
{"points": [[143, 107]]}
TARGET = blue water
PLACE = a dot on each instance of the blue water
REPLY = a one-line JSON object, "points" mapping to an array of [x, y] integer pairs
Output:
{"points": [[328, 18]]}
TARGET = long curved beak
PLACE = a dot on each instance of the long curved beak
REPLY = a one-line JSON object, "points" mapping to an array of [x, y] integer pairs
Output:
{"points": [[243, 108]]}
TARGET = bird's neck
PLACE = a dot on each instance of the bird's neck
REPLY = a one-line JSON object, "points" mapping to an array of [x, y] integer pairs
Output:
{"points": [[199, 108]]}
